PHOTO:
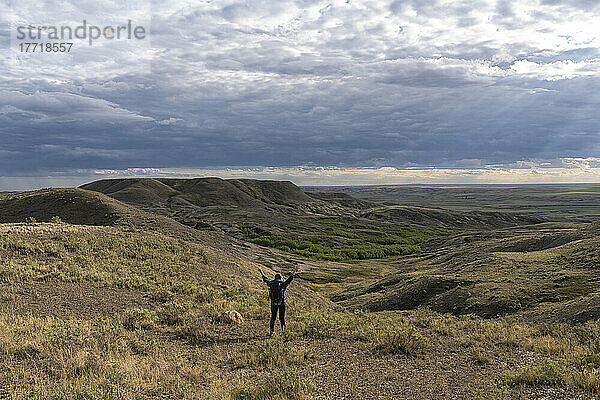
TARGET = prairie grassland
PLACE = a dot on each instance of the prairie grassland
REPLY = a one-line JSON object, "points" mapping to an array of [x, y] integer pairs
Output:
{"points": [[140, 355], [177, 346], [567, 202]]}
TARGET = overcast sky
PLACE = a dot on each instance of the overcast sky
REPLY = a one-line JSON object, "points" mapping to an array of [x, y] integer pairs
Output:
{"points": [[496, 90]]}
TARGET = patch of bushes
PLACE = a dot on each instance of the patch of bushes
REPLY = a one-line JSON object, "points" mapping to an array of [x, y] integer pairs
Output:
{"points": [[547, 373], [346, 240], [139, 318], [401, 339], [551, 373], [175, 313], [271, 354], [197, 330], [279, 384], [317, 325], [358, 325], [355, 251]]}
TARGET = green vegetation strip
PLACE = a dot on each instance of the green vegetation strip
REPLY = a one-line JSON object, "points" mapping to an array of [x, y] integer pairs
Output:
{"points": [[355, 241]]}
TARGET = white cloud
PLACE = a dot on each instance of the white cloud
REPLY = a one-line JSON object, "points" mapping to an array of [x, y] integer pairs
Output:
{"points": [[557, 70]]}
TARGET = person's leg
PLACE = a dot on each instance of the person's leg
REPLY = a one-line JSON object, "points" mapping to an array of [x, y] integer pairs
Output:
{"points": [[282, 316], [274, 308]]}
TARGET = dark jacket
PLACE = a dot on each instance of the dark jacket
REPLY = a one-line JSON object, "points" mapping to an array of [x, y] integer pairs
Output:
{"points": [[277, 289]]}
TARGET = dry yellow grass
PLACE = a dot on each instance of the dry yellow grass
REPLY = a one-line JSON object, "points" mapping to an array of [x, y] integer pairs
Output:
{"points": [[175, 346]]}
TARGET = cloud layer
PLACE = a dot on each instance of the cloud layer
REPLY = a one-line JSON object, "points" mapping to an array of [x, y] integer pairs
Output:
{"points": [[371, 83]]}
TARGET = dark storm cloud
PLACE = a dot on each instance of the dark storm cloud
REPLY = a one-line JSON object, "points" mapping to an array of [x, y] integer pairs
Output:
{"points": [[286, 83]]}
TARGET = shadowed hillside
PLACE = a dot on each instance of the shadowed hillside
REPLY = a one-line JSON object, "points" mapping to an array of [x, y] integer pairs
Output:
{"points": [[278, 192], [201, 191], [84, 207], [75, 206], [470, 220], [134, 191]]}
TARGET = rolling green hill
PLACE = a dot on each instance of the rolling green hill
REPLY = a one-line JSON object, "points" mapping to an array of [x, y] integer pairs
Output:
{"points": [[201, 192], [85, 207], [523, 272]]}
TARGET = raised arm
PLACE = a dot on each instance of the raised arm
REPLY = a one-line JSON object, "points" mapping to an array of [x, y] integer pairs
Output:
{"points": [[291, 278], [264, 278]]}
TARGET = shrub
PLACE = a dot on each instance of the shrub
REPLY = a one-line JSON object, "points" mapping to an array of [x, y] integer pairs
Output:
{"points": [[357, 325], [30, 220], [547, 373], [56, 220], [175, 313], [280, 384], [401, 340], [270, 354], [139, 318], [317, 325], [198, 330]]}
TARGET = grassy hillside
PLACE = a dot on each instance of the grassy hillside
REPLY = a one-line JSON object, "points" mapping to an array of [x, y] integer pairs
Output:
{"points": [[544, 272], [155, 297], [200, 192], [81, 207], [71, 205]]}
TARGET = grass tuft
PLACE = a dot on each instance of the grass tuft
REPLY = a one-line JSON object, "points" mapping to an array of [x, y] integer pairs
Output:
{"points": [[401, 340], [279, 384], [547, 373]]}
